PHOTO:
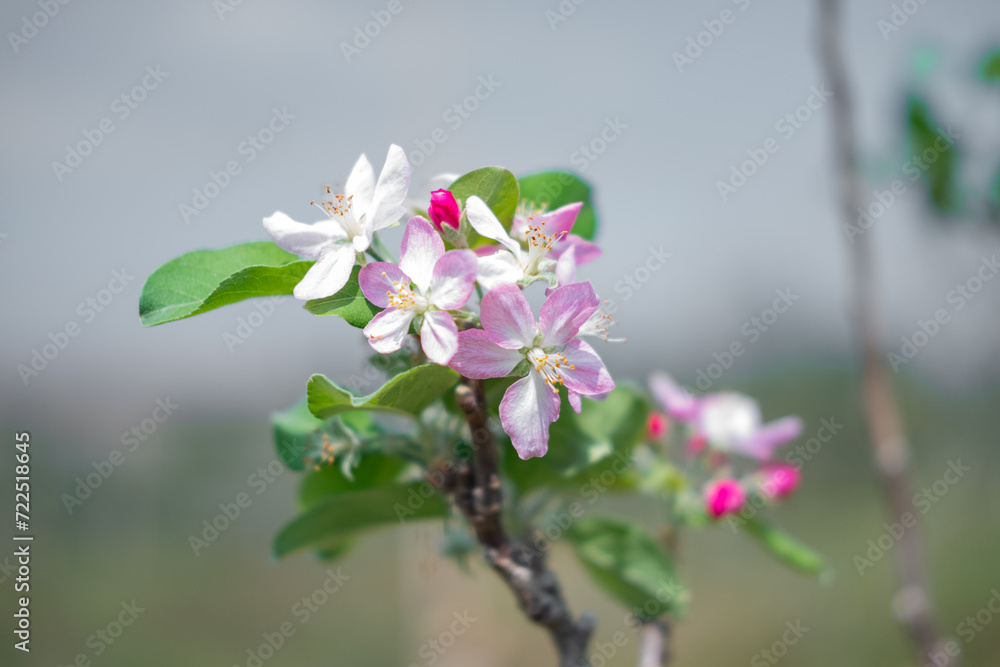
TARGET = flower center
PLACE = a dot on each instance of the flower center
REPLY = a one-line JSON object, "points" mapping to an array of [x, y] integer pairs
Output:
{"points": [[529, 226], [341, 209], [599, 324], [403, 297], [549, 365]]}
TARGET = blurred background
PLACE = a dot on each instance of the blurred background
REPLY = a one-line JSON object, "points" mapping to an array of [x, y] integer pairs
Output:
{"points": [[163, 95]]}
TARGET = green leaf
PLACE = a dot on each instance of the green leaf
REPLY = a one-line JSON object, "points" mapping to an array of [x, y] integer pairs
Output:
{"points": [[785, 548], [938, 165], [627, 563], [330, 522], [558, 188], [294, 429], [990, 67], [349, 303], [494, 185], [203, 280], [374, 470], [583, 445], [409, 392]]}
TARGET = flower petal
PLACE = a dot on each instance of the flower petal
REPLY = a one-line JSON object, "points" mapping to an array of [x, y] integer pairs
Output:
{"points": [[422, 247], [328, 275], [561, 220], [586, 373], [507, 317], [390, 191], [728, 420], [302, 239], [565, 311], [771, 435], [677, 401], [486, 224], [585, 250], [453, 280], [360, 186], [377, 279], [480, 358], [575, 401], [527, 409], [497, 269], [439, 337], [566, 268], [387, 330]]}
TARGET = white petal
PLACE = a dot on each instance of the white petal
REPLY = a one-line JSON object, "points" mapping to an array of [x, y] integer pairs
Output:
{"points": [[420, 250], [486, 224], [390, 191], [361, 186], [302, 239], [527, 409], [387, 330], [501, 267], [328, 275]]}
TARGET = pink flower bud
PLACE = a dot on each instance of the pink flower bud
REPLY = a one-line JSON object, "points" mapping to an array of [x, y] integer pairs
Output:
{"points": [[779, 480], [657, 426], [444, 209], [724, 496]]}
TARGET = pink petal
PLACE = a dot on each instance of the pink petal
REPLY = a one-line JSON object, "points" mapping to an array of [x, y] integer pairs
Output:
{"points": [[387, 330], [422, 247], [527, 409], [439, 337], [376, 281], [565, 311], [453, 280], [575, 401], [328, 275], [725, 496], [444, 209], [487, 250], [586, 373], [585, 250], [566, 268], [507, 317], [561, 220], [774, 434], [676, 400], [480, 358]]}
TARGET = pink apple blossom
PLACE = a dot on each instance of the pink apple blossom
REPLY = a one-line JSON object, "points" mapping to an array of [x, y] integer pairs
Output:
{"points": [[427, 283], [724, 496], [551, 351]]}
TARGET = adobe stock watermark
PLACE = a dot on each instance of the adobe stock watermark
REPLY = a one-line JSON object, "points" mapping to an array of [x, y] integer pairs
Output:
{"points": [[223, 7], [248, 149], [364, 34], [968, 629], [454, 116], [900, 16], [957, 298], [262, 310], [914, 168], [786, 126], [302, 611], [631, 283], [697, 44], [432, 650], [103, 638], [131, 441], [752, 330], [923, 501], [58, 341], [587, 153], [121, 108], [779, 649], [31, 24], [562, 12]]}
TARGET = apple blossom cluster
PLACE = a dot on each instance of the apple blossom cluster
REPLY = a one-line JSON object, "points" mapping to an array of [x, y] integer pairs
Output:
{"points": [[443, 263], [723, 433]]}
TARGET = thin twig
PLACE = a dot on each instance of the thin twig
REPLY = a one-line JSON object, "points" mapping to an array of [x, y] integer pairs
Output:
{"points": [[654, 651], [881, 410], [477, 493]]}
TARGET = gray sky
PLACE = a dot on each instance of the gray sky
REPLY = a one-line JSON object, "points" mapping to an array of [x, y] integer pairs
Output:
{"points": [[554, 90]]}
